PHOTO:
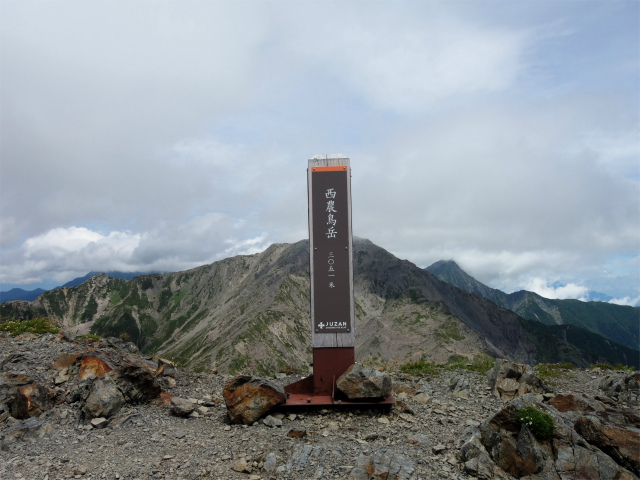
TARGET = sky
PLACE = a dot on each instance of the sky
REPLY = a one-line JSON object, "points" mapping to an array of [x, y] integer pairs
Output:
{"points": [[161, 136]]}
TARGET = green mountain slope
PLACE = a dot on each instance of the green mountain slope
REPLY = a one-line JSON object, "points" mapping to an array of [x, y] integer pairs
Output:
{"points": [[614, 322], [251, 313]]}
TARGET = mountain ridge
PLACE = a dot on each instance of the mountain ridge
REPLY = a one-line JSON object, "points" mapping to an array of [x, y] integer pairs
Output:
{"points": [[251, 313], [618, 323], [30, 295]]}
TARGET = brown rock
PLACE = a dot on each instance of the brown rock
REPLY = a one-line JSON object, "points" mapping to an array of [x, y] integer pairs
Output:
{"points": [[99, 422], [241, 465], [65, 361], [163, 399], [37, 398], [576, 403], [137, 382], [247, 398], [584, 446], [92, 367], [296, 432], [9, 384], [621, 444]]}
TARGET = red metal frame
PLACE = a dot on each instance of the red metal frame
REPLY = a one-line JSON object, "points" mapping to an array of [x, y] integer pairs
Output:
{"points": [[320, 389]]}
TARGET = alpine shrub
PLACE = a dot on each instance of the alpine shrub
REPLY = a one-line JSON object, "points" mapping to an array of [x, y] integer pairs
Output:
{"points": [[540, 423]]}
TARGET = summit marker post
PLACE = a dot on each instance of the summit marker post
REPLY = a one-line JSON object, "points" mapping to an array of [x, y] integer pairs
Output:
{"points": [[331, 264], [333, 332]]}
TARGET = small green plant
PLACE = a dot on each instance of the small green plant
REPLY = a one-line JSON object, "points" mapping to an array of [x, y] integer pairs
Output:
{"points": [[420, 368], [90, 336], [481, 363], [601, 366], [37, 325], [124, 336], [540, 423], [606, 366], [547, 371], [620, 366]]}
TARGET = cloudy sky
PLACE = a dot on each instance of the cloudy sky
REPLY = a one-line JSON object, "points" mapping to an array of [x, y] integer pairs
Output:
{"points": [[160, 136]]}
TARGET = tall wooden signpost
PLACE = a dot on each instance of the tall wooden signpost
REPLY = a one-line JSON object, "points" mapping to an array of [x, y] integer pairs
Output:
{"points": [[333, 332], [330, 249]]}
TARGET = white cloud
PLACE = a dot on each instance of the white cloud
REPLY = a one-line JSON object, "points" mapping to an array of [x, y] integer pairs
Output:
{"points": [[184, 130], [545, 289], [401, 61], [632, 302], [60, 241]]}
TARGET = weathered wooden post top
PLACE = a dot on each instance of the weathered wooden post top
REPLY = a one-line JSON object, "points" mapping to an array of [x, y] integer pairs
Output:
{"points": [[333, 332]]}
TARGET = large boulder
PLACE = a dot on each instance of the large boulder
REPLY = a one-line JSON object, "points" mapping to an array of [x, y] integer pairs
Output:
{"points": [[247, 398], [359, 381], [105, 399], [137, 382], [509, 380], [9, 394], [622, 388], [591, 440], [33, 400]]}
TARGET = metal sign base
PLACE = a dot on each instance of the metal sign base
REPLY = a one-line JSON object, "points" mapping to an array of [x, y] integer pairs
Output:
{"points": [[319, 389]]}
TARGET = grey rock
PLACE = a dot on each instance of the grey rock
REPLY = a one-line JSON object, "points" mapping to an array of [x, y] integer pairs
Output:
{"points": [[383, 463], [181, 407], [438, 449], [99, 422], [270, 421], [359, 381], [270, 463], [423, 398], [622, 388], [30, 429], [508, 380], [105, 399], [460, 387]]}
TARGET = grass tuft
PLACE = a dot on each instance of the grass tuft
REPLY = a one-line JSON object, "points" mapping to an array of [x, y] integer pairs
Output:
{"points": [[420, 368], [37, 325], [90, 336], [618, 366], [547, 371]]}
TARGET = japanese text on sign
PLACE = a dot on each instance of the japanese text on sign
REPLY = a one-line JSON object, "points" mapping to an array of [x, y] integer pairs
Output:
{"points": [[331, 220]]}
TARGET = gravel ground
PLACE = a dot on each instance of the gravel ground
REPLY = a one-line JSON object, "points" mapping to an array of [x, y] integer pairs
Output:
{"points": [[148, 442]]}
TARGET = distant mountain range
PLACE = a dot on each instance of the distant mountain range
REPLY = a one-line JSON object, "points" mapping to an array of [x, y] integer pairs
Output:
{"points": [[31, 295], [251, 313], [20, 294], [618, 323]]}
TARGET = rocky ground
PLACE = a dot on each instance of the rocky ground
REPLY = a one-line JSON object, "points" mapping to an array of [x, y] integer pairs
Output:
{"points": [[419, 438]]}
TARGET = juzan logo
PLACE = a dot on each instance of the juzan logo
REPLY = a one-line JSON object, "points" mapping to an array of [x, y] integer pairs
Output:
{"points": [[336, 324]]}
